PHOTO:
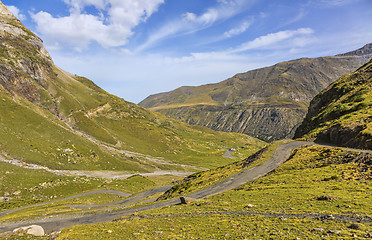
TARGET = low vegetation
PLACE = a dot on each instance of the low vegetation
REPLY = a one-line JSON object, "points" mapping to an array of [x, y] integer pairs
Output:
{"points": [[342, 113], [28, 187], [205, 179], [315, 194]]}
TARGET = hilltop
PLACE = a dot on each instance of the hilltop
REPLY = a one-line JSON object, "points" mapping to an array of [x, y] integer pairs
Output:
{"points": [[268, 103]]}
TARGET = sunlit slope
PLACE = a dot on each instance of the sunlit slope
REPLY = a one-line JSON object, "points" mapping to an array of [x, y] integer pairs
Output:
{"points": [[268, 103], [63, 121], [342, 114]]}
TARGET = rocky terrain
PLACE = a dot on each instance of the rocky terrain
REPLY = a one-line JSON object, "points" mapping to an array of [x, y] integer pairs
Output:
{"points": [[342, 114], [268, 103]]}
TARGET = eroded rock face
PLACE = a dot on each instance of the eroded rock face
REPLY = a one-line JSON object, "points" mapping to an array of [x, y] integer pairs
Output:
{"points": [[266, 123]]}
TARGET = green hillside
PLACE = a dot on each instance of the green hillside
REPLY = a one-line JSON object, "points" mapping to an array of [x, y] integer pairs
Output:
{"points": [[268, 103], [319, 193], [342, 114], [62, 121], [56, 128]]}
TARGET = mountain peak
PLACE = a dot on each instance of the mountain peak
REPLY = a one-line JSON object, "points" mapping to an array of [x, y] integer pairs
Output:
{"points": [[4, 12], [365, 50]]}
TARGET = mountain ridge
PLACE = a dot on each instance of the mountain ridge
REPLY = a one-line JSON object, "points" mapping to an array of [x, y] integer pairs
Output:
{"points": [[259, 102]]}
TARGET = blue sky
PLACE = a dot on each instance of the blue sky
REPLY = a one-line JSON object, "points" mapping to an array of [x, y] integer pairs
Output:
{"points": [[134, 48]]}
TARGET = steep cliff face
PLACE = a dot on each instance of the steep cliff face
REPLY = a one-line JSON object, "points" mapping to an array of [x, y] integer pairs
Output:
{"points": [[59, 120], [342, 113], [259, 101]]}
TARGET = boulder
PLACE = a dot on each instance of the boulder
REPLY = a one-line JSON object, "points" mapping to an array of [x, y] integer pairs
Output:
{"points": [[16, 193], [35, 230], [5, 199], [187, 200]]}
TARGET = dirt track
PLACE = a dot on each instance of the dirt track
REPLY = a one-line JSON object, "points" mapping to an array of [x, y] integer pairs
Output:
{"points": [[280, 155]]}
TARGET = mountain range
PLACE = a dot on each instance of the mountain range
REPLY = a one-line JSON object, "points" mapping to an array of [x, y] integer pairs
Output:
{"points": [[268, 103]]}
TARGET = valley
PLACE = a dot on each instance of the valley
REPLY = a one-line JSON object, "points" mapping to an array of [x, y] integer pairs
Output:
{"points": [[267, 103], [283, 152]]}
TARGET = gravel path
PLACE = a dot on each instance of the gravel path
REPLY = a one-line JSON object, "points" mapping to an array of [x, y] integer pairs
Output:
{"points": [[280, 155]]}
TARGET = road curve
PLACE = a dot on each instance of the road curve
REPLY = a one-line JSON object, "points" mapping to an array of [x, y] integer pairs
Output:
{"points": [[281, 154]]}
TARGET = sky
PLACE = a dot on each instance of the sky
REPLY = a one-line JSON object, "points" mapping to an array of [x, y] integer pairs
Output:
{"points": [[134, 48]]}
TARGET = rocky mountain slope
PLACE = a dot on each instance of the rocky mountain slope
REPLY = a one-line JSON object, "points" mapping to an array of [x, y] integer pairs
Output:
{"points": [[342, 113], [55, 119], [268, 103]]}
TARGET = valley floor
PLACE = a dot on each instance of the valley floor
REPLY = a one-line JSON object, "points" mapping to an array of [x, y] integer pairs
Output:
{"points": [[315, 192]]}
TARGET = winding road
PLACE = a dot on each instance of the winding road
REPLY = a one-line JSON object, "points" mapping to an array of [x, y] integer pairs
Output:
{"points": [[281, 154]]}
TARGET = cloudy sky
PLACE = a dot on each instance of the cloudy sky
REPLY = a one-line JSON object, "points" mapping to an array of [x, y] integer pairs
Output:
{"points": [[134, 48]]}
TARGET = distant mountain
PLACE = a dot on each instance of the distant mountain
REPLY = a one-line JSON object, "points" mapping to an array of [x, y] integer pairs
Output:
{"points": [[52, 118], [268, 103], [342, 113]]}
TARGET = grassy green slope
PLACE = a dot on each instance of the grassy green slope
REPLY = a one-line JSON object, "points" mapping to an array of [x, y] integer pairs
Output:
{"points": [[31, 137], [341, 114], [28, 187], [315, 180], [63, 121]]}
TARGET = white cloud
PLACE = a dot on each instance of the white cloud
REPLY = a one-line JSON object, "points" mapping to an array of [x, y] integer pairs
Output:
{"points": [[337, 3], [238, 30], [111, 28], [80, 4], [210, 16], [191, 22], [16, 12], [271, 39]]}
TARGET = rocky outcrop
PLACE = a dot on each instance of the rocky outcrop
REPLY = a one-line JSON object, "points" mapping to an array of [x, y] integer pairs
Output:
{"points": [[25, 65], [268, 103], [35, 230], [342, 113]]}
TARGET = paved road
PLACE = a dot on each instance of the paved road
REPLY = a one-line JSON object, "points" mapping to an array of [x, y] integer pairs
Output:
{"points": [[280, 155]]}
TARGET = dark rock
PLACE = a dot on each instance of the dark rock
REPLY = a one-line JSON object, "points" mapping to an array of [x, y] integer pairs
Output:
{"points": [[187, 200]]}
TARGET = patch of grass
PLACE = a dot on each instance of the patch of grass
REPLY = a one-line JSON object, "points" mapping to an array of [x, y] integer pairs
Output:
{"points": [[216, 227], [27, 187], [344, 108]]}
